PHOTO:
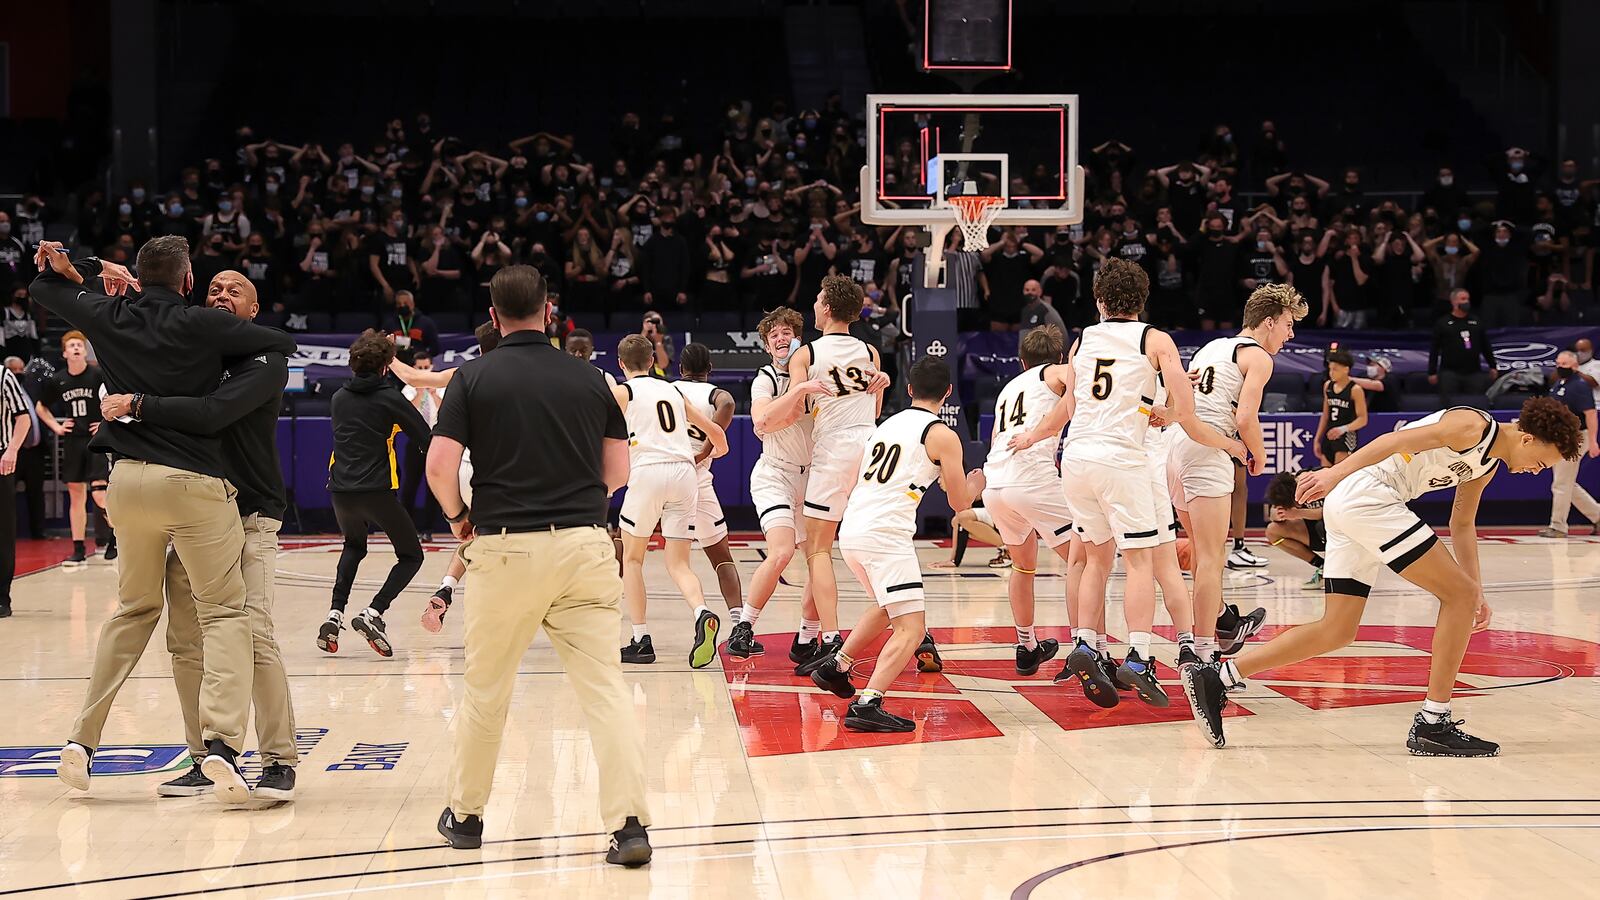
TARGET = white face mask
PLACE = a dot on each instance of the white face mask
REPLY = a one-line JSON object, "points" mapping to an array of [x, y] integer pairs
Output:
{"points": [[1584, 356], [1373, 370], [1447, 180]]}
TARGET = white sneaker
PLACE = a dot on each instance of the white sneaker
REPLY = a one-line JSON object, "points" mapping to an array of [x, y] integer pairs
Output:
{"points": [[74, 766], [1242, 558]]}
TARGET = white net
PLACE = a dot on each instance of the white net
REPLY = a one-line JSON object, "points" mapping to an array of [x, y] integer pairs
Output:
{"points": [[975, 214]]}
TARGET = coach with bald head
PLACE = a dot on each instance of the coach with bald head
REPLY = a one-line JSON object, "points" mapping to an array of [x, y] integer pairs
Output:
{"points": [[243, 412], [168, 486]]}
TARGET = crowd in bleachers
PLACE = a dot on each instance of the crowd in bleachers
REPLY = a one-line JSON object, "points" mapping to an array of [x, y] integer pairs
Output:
{"points": [[333, 234]]}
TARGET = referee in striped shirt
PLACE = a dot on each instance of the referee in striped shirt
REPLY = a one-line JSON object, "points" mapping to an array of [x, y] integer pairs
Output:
{"points": [[14, 423]]}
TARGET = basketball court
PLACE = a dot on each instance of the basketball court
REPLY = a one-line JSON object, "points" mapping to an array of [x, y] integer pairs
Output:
{"points": [[1010, 786]]}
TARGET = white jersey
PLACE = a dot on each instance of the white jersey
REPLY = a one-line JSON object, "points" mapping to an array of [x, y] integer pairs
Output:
{"points": [[1024, 402], [611, 380], [1413, 474], [658, 430], [1156, 440], [703, 395], [1216, 391], [895, 472], [790, 445], [1114, 387], [843, 362]]}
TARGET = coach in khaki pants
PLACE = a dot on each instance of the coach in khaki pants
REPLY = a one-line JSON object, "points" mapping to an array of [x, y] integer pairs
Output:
{"points": [[167, 487], [548, 445]]}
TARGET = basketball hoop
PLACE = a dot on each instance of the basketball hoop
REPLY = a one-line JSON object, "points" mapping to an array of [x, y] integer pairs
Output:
{"points": [[975, 214]]}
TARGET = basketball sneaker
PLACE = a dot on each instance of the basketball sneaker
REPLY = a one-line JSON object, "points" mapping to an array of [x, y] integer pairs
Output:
{"points": [[1242, 558], [277, 783], [1234, 629], [1029, 661], [742, 642], [829, 678], [438, 605], [1187, 657], [1109, 665], [800, 651], [1002, 559], [640, 651], [465, 833], [823, 654], [221, 765], [704, 650], [77, 558], [928, 661], [1084, 664], [1314, 583], [630, 845], [111, 549], [1202, 684], [369, 624], [328, 634], [1139, 675], [869, 715], [1445, 738], [192, 783]]}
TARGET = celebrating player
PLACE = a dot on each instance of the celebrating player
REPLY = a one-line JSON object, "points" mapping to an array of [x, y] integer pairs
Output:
{"points": [[710, 525], [1370, 529]]}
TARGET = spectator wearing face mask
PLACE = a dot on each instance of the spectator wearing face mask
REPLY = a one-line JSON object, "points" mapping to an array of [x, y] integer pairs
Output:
{"points": [[16, 263], [212, 258], [1588, 366], [260, 266], [1375, 381], [814, 258], [442, 272], [1397, 263], [21, 332], [1216, 294], [1007, 266], [1037, 311], [1568, 386], [665, 264], [228, 222], [176, 219], [1349, 270], [1451, 257], [411, 330], [1285, 187], [1516, 175], [1459, 342], [1503, 273], [390, 260], [1185, 184]]}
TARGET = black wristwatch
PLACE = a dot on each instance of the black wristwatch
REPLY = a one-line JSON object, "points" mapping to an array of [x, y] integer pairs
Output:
{"points": [[453, 520]]}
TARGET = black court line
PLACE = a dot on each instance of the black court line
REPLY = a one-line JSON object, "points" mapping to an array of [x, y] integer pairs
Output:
{"points": [[1024, 891], [802, 821]]}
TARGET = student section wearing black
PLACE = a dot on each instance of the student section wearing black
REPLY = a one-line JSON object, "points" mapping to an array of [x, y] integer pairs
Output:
{"points": [[362, 481]]}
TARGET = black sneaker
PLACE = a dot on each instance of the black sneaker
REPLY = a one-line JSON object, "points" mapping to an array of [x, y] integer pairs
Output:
{"points": [[369, 624], [328, 634], [829, 678], [221, 765], [824, 654], [928, 661], [1234, 629], [1202, 683], [630, 845], [706, 626], [438, 605], [277, 783], [1109, 666], [869, 715], [1446, 739], [111, 549], [463, 834], [800, 651], [1139, 675], [1187, 657], [639, 651], [192, 783], [742, 642], [1029, 661], [1083, 663], [5, 611], [77, 558]]}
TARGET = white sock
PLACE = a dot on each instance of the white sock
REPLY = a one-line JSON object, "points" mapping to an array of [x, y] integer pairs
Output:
{"points": [[1205, 646], [749, 614], [1140, 641], [830, 635], [733, 615], [1434, 713], [1186, 638], [337, 615], [1087, 635], [1230, 675], [1100, 644], [451, 582], [640, 632], [702, 608], [809, 630], [1025, 637]]}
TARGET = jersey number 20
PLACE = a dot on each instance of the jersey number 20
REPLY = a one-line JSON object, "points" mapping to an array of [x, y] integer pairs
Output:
{"points": [[885, 458]]}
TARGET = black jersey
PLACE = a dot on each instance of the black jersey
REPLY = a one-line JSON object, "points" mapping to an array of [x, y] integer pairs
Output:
{"points": [[75, 397], [1341, 404]]}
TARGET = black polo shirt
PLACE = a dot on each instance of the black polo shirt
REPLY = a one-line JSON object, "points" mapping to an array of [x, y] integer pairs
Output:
{"points": [[535, 420]]}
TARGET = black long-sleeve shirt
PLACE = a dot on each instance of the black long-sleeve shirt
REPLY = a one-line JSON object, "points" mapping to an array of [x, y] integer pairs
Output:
{"points": [[155, 345], [244, 410], [366, 414], [1457, 345]]}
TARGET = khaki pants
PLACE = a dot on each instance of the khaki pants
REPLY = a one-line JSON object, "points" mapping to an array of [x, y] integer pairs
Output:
{"points": [[274, 709], [154, 505], [567, 582], [1565, 493]]}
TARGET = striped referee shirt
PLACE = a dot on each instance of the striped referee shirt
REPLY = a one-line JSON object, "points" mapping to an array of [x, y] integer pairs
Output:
{"points": [[961, 275], [13, 403]]}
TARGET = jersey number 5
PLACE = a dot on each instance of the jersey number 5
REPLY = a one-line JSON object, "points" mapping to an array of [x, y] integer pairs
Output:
{"points": [[885, 458], [1101, 389]]}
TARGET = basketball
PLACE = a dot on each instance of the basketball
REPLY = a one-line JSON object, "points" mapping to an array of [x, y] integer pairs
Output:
{"points": [[1185, 555]]}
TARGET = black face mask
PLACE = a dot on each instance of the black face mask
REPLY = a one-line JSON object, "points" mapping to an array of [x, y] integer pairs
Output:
{"points": [[1563, 372]]}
